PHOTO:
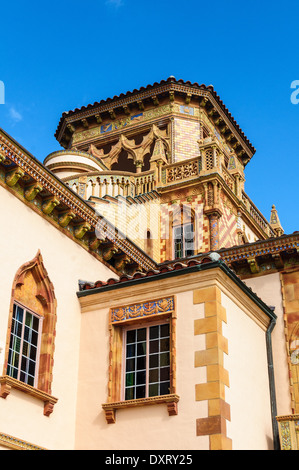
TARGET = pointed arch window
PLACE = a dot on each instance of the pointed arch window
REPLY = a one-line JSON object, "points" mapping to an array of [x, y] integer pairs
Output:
{"points": [[31, 333], [24, 346]]}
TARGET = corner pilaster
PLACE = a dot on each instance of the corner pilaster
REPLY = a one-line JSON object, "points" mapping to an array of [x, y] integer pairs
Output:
{"points": [[213, 390]]}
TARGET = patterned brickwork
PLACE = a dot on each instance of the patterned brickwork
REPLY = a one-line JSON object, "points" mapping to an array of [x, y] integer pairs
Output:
{"points": [[228, 235], [186, 135]]}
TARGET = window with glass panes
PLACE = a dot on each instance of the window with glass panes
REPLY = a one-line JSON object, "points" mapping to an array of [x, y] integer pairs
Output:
{"points": [[23, 348], [183, 237], [147, 367]]}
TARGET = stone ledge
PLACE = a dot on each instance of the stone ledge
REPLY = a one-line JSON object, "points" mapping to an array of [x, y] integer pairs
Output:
{"points": [[7, 383], [170, 400]]}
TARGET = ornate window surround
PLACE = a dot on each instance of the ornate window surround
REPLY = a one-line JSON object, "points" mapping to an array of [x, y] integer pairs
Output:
{"points": [[42, 302], [161, 310]]}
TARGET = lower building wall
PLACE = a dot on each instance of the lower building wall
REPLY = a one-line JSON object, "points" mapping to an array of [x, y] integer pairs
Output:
{"points": [[248, 394], [23, 234], [221, 374], [269, 288]]}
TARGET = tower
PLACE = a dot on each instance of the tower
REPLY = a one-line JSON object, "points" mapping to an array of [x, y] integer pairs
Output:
{"points": [[166, 164]]}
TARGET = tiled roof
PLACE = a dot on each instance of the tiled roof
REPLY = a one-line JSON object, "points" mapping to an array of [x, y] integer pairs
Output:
{"points": [[208, 261], [161, 269], [170, 80]]}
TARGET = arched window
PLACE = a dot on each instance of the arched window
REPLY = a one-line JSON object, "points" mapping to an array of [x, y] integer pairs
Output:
{"points": [[31, 330], [149, 243], [183, 232]]}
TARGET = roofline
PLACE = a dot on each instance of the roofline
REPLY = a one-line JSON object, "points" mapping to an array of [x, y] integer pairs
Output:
{"points": [[116, 236], [171, 84], [180, 272]]}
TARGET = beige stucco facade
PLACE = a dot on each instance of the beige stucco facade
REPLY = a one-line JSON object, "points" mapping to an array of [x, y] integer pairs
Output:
{"points": [[66, 263], [228, 365]]}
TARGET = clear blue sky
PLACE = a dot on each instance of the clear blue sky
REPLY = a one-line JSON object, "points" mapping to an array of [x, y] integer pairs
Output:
{"points": [[56, 56]]}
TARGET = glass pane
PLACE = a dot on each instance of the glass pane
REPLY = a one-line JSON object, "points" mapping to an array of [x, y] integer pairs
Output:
{"points": [[35, 323], [141, 349], [130, 365], [140, 392], [153, 375], [131, 334], [130, 350], [164, 330], [30, 380], [130, 379], [34, 338], [31, 368], [164, 344], [141, 334], [154, 332], [16, 344], [28, 321], [165, 388], [154, 346], [153, 390], [140, 378], [33, 351], [164, 374], [129, 395], [153, 360], [26, 333], [19, 315], [141, 362], [25, 348], [164, 359]]}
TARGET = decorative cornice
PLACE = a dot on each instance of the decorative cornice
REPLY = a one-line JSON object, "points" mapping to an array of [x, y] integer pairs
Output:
{"points": [[7, 383], [15, 443], [170, 400], [151, 92], [18, 165]]}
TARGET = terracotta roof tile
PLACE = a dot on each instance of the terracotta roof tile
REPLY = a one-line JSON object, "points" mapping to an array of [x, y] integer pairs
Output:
{"points": [[169, 80]]}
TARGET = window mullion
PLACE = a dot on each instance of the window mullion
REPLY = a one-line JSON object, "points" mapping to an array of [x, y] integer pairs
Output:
{"points": [[21, 345], [147, 363]]}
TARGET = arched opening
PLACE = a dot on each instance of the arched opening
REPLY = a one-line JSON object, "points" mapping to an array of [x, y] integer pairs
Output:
{"points": [[31, 327], [124, 163], [149, 247]]}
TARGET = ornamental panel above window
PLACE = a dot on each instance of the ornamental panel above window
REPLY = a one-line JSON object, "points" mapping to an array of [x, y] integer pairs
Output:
{"points": [[142, 369]]}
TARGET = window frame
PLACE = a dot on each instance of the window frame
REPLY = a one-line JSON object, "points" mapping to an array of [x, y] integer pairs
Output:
{"points": [[40, 318], [183, 239], [134, 316], [147, 326]]}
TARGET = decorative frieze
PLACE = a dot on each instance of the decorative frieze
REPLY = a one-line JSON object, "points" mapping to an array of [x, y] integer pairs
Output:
{"points": [[141, 310]]}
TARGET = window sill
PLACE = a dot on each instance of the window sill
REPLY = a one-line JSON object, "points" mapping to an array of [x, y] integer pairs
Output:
{"points": [[7, 383], [170, 400]]}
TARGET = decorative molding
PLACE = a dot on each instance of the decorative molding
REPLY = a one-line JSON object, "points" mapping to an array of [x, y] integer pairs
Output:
{"points": [[141, 310], [7, 383], [17, 444], [170, 400], [22, 164]]}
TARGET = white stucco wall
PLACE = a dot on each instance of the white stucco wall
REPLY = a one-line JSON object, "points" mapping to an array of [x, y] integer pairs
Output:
{"points": [[146, 427], [23, 233], [268, 287], [250, 427]]}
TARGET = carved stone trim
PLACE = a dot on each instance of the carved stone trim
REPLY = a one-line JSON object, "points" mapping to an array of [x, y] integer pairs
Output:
{"points": [[17, 444], [7, 382], [170, 400], [142, 310]]}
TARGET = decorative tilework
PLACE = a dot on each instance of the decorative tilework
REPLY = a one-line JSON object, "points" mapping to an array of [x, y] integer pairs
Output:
{"points": [[145, 309]]}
